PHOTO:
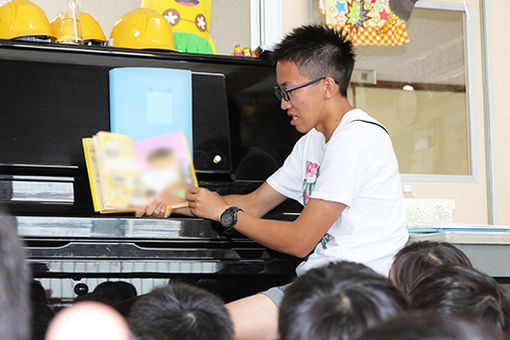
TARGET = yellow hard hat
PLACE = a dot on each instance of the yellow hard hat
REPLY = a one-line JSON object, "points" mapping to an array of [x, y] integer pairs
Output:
{"points": [[90, 28], [92, 33], [142, 28], [22, 18], [55, 26]]}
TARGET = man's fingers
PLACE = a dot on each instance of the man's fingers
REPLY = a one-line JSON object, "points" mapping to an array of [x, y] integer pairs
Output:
{"points": [[162, 209], [190, 196], [193, 190], [155, 209], [152, 208], [140, 211]]}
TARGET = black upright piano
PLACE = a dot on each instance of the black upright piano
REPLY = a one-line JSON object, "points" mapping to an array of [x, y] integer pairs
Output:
{"points": [[52, 95]]}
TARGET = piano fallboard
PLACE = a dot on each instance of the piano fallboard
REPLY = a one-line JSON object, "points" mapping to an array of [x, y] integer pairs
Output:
{"points": [[118, 246]]}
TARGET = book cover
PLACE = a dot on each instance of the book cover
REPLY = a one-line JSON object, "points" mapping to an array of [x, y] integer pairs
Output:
{"points": [[149, 101], [124, 173]]}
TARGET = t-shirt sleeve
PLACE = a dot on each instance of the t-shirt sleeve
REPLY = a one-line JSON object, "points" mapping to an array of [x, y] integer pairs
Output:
{"points": [[287, 180], [343, 169]]}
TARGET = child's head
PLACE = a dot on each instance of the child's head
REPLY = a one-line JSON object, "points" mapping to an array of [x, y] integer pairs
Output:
{"points": [[462, 291], [14, 282], [318, 51], [338, 301], [430, 326], [88, 320], [181, 311], [417, 257]]}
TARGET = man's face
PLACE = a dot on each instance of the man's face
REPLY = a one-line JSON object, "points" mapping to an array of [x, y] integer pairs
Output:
{"points": [[305, 103]]}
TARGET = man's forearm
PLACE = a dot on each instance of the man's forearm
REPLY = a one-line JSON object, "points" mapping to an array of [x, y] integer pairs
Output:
{"points": [[244, 202], [283, 236]]}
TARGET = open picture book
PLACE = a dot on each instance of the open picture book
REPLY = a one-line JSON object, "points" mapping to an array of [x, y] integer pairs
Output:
{"points": [[124, 173]]}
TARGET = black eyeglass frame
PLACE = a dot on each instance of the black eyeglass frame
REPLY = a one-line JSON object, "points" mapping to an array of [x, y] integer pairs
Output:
{"points": [[284, 93]]}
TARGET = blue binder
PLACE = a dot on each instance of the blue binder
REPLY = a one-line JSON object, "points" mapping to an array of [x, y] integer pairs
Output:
{"points": [[146, 102]]}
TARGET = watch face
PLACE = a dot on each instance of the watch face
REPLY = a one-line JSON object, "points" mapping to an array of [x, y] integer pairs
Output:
{"points": [[227, 219]]}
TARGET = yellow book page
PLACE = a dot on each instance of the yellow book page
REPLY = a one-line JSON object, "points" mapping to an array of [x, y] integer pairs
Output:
{"points": [[119, 174], [94, 182], [90, 160]]}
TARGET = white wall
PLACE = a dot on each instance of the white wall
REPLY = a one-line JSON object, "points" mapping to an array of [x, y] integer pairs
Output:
{"points": [[500, 49]]}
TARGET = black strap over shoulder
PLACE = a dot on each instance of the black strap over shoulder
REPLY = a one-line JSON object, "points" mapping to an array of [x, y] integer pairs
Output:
{"points": [[369, 122]]}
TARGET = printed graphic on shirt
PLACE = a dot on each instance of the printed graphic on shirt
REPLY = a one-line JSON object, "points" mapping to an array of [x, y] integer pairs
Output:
{"points": [[311, 174], [325, 240]]}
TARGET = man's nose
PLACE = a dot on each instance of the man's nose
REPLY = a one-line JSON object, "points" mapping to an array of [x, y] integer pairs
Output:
{"points": [[285, 105]]}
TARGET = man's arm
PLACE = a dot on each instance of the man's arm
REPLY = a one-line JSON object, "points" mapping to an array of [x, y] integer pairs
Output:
{"points": [[257, 203], [297, 238]]}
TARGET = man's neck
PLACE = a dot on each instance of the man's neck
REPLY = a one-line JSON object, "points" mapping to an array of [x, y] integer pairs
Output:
{"points": [[333, 116]]}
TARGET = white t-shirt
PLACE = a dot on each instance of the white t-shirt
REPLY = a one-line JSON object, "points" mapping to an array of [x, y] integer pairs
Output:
{"points": [[356, 167]]}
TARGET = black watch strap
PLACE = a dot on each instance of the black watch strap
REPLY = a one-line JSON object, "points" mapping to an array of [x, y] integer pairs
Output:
{"points": [[228, 219]]}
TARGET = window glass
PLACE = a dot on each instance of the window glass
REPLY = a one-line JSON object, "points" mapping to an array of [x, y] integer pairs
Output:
{"points": [[419, 92]]}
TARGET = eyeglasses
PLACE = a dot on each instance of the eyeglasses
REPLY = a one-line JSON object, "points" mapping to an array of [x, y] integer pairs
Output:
{"points": [[284, 93]]}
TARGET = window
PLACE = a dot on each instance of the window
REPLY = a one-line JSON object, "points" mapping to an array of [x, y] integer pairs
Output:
{"points": [[419, 91]]}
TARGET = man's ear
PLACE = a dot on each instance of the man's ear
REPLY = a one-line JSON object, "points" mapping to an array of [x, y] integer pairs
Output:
{"points": [[331, 88]]}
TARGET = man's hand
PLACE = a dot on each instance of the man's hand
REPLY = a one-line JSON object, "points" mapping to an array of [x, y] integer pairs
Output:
{"points": [[155, 209], [206, 204]]}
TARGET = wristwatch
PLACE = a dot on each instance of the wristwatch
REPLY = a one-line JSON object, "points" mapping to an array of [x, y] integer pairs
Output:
{"points": [[228, 219]]}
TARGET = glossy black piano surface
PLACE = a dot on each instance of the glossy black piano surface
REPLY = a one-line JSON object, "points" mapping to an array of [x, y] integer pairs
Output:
{"points": [[52, 96]]}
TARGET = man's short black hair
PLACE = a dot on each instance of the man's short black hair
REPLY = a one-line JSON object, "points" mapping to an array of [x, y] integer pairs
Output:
{"points": [[462, 291], [181, 311], [430, 326], [318, 51], [416, 258], [14, 283], [337, 301]]}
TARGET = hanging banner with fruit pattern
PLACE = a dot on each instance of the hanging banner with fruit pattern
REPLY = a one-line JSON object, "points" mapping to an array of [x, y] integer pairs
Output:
{"points": [[368, 22]]}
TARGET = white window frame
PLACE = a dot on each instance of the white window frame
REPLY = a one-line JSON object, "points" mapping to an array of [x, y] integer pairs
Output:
{"points": [[266, 23], [266, 30], [470, 94], [473, 154]]}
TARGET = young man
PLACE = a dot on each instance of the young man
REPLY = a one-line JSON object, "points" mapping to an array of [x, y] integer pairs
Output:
{"points": [[344, 171]]}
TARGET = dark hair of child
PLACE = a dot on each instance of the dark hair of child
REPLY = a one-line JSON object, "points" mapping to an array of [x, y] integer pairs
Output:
{"points": [[462, 291], [337, 301], [430, 326], [181, 311], [415, 258]]}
